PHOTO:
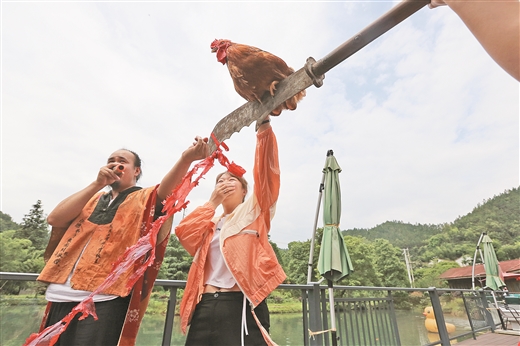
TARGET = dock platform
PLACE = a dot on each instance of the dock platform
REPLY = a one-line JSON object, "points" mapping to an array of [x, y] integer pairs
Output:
{"points": [[493, 339]]}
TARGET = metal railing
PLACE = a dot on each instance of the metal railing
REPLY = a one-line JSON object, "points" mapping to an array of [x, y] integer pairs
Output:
{"points": [[373, 320], [364, 315]]}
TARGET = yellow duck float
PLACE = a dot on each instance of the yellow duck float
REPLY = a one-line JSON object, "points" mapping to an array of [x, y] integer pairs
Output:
{"points": [[431, 324]]}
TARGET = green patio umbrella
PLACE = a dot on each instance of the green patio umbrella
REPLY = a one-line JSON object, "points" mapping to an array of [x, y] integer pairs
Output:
{"points": [[334, 262], [491, 266]]}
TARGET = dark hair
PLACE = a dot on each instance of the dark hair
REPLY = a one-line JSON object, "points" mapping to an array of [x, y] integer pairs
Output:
{"points": [[242, 180], [137, 163]]}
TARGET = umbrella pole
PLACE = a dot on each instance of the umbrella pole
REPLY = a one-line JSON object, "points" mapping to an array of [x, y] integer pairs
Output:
{"points": [[311, 255], [477, 249], [332, 314]]}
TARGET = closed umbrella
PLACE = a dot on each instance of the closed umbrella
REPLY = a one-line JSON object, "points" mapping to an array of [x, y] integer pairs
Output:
{"points": [[334, 262], [491, 265]]}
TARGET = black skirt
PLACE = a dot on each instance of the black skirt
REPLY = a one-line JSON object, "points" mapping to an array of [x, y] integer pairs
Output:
{"points": [[217, 320], [102, 332]]}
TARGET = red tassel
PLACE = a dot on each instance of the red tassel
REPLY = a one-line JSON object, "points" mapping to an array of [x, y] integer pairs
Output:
{"points": [[235, 169]]}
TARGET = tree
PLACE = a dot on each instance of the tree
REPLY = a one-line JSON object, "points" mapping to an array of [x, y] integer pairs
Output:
{"points": [[429, 276], [35, 227], [276, 250], [7, 223], [509, 252], [18, 256], [177, 261], [363, 257], [297, 260], [390, 264]]}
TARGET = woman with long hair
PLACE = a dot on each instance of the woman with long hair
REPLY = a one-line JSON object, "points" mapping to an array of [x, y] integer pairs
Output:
{"points": [[234, 267]]}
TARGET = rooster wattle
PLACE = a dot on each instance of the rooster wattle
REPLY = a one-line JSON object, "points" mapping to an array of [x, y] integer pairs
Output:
{"points": [[254, 72]]}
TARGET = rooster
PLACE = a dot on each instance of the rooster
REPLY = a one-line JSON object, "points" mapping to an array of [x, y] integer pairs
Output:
{"points": [[254, 72]]}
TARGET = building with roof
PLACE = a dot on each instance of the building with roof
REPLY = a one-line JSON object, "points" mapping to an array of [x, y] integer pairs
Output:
{"points": [[461, 277]]}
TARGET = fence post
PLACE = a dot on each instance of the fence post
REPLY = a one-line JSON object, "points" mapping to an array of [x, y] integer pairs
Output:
{"points": [[305, 300], [470, 320], [315, 322], [396, 337], [487, 314], [170, 314], [325, 316], [439, 316]]}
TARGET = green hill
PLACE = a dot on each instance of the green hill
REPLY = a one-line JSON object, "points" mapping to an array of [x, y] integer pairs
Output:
{"points": [[398, 233], [499, 216]]}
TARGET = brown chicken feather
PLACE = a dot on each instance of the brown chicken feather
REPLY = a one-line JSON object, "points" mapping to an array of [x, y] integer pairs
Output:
{"points": [[254, 72]]}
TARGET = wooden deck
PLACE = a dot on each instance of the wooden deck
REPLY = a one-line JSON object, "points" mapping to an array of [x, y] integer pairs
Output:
{"points": [[493, 339]]}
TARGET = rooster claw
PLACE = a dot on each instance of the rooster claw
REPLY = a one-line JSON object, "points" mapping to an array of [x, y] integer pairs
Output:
{"points": [[272, 87]]}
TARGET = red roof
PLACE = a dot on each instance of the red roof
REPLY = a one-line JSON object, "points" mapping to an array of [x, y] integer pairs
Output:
{"points": [[510, 266]]}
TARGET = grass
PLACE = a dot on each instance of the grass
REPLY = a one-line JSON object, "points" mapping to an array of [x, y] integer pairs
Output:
{"points": [[284, 308], [22, 299]]}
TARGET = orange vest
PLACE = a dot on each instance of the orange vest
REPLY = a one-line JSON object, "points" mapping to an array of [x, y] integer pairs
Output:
{"points": [[143, 215], [244, 242], [104, 244]]}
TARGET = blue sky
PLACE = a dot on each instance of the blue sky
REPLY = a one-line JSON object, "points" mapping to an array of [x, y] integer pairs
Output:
{"points": [[422, 121]]}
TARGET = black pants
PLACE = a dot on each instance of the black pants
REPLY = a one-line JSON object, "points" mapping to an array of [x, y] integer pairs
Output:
{"points": [[217, 320], [103, 332]]}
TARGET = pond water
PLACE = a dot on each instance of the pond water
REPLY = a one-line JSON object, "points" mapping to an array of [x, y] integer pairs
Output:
{"points": [[18, 322]]}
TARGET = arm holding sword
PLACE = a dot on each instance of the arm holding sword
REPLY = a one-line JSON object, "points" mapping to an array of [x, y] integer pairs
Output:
{"points": [[234, 267], [91, 230]]}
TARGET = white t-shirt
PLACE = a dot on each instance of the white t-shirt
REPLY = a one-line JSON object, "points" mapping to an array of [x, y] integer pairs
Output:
{"points": [[63, 293], [216, 273]]}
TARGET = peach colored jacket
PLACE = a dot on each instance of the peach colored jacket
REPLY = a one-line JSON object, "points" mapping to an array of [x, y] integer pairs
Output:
{"points": [[243, 237]]}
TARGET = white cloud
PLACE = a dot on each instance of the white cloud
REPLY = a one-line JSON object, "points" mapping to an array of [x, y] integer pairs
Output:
{"points": [[422, 121]]}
